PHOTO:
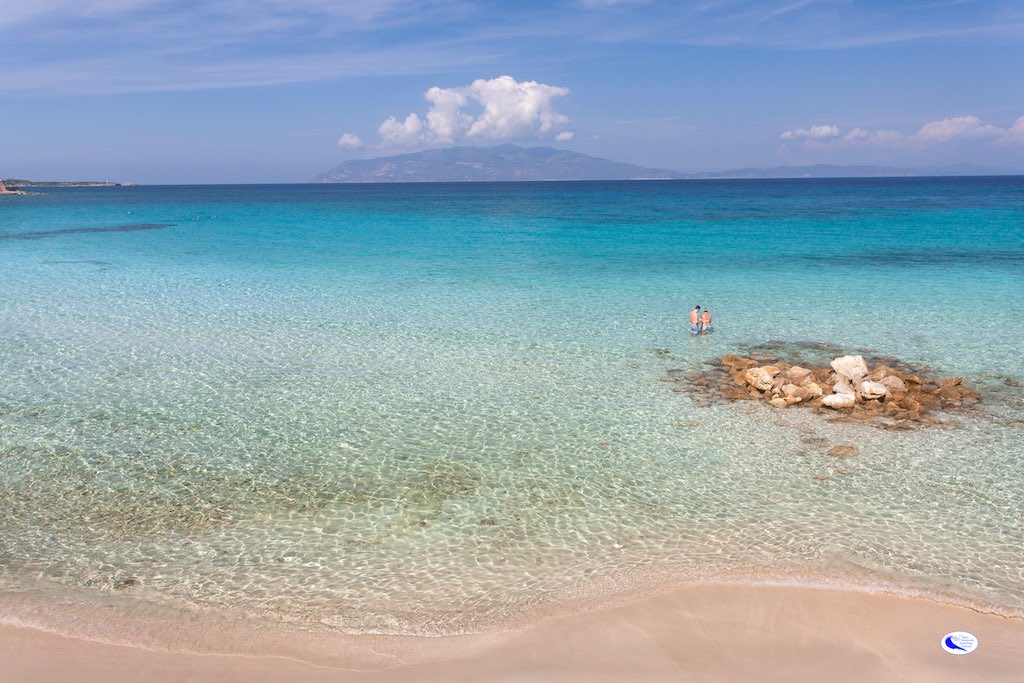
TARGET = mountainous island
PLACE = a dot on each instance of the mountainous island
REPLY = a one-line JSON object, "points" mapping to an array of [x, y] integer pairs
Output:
{"points": [[512, 162], [501, 163]]}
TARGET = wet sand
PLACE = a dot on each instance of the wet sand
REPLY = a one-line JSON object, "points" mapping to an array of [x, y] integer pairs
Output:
{"points": [[711, 633]]}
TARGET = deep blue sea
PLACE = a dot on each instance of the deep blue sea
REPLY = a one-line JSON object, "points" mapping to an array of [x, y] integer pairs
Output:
{"points": [[435, 408]]}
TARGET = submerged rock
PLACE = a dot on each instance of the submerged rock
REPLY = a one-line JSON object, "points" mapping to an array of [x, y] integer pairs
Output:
{"points": [[843, 450]]}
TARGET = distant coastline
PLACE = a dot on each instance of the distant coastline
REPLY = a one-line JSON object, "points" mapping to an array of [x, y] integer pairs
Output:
{"points": [[12, 185], [514, 163]]}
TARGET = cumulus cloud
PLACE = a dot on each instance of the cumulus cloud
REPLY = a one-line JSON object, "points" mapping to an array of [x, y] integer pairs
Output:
{"points": [[489, 110], [956, 127], [349, 140], [874, 137], [399, 133], [1015, 133], [812, 133]]}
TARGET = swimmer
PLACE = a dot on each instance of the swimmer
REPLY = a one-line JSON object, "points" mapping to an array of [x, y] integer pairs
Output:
{"points": [[695, 320], [705, 321]]}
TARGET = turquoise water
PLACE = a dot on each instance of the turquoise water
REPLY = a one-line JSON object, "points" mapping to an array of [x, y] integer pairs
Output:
{"points": [[436, 408]]}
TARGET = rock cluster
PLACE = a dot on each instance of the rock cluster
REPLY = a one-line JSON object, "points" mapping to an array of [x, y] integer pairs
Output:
{"points": [[9, 190], [882, 394]]}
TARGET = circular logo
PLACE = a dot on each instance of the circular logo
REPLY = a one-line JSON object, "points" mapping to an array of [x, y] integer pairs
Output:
{"points": [[959, 643]]}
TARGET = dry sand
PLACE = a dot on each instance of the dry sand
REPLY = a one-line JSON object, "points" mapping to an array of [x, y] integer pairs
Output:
{"points": [[704, 633]]}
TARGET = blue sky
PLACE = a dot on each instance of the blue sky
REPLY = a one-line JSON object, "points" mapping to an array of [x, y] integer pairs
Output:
{"points": [[172, 91]]}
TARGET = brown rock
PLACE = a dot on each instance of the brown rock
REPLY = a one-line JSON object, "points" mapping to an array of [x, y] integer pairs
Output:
{"points": [[793, 391], [893, 383], [896, 397], [758, 378], [949, 393], [871, 390], [843, 450], [880, 372], [823, 375], [909, 403], [951, 381], [778, 402], [970, 395], [872, 406], [737, 394], [843, 387], [798, 375], [771, 369], [738, 363]]}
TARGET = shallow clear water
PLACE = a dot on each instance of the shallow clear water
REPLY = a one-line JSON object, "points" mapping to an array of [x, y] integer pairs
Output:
{"points": [[433, 408]]}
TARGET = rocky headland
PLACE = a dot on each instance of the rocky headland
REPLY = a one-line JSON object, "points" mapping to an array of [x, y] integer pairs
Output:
{"points": [[885, 393], [9, 190]]}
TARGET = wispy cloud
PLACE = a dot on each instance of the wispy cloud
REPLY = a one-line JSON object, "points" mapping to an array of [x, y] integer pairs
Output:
{"points": [[114, 46], [106, 46], [938, 132], [803, 24]]}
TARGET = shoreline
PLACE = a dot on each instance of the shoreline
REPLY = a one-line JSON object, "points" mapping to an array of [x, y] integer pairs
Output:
{"points": [[711, 632]]}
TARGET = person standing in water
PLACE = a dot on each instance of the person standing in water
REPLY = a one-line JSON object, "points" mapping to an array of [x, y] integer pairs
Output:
{"points": [[705, 321], [695, 320]]}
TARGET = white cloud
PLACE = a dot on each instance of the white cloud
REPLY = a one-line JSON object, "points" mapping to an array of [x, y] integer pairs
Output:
{"points": [[445, 118], [932, 133], [350, 140], [812, 133], [1015, 133], [513, 109], [401, 134], [956, 127], [491, 110], [860, 136]]}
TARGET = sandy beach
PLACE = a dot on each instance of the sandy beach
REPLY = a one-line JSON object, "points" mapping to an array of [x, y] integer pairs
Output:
{"points": [[708, 633]]}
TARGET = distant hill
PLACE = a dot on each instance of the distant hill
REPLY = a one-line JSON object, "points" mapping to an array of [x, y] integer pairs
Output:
{"points": [[835, 171], [511, 162], [504, 162]]}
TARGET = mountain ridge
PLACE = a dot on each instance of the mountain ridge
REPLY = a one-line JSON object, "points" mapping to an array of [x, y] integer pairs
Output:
{"points": [[500, 163], [510, 162]]}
